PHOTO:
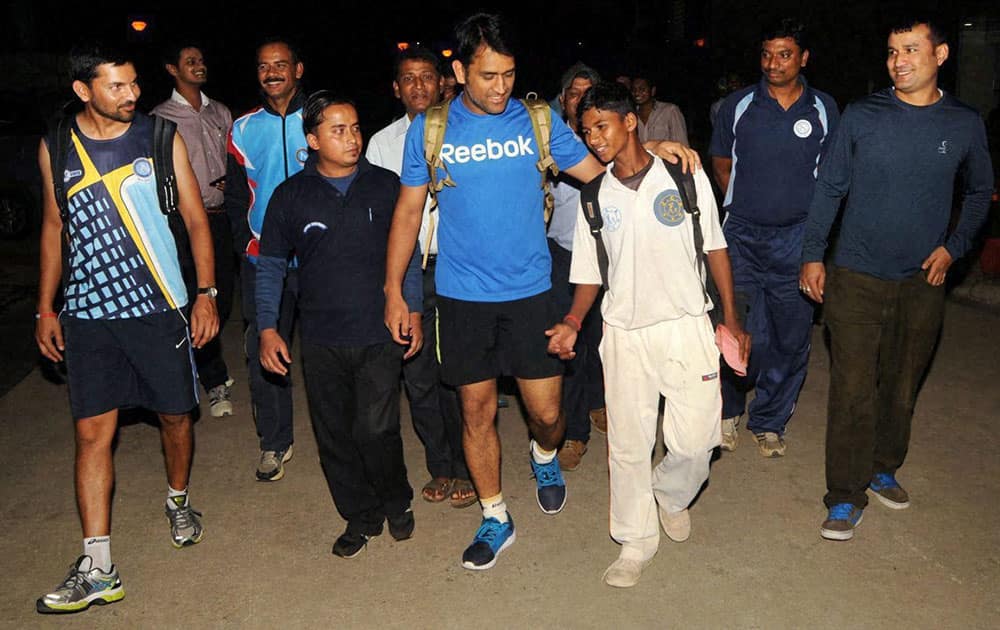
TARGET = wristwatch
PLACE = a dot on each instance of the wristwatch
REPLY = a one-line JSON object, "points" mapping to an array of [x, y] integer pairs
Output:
{"points": [[211, 292]]}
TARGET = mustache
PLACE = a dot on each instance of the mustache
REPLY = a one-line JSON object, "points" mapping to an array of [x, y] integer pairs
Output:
{"points": [[127, 104]]}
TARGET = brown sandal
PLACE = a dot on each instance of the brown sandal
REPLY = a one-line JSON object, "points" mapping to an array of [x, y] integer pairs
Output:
{"points": [[463, 493], [436, 490]]}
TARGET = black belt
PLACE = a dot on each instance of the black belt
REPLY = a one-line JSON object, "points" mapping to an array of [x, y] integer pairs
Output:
{"points": [[215, 209]]}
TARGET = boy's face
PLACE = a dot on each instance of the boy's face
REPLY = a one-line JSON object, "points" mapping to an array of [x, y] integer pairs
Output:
{"points": [[606, 132]]}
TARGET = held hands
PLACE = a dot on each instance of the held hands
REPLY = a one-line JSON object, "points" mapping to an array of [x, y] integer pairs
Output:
{"points": [[812, 280], [204, 321], [562, 338], [274, 355], [936, 265]]}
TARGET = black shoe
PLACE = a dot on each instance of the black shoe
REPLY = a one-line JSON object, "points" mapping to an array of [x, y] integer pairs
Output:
{"points": [[401, 526], [350, 544]]}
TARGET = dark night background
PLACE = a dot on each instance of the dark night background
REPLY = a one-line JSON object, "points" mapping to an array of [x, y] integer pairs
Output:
{"points": [[349, 47]]}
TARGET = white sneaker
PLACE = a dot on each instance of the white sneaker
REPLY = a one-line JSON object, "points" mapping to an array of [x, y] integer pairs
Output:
{"points": [[677, 526], [219, 402], [730, 435], [624, 572]]}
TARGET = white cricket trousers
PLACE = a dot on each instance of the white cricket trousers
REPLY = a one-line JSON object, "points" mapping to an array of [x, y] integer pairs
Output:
{"points": [[678, 359]]}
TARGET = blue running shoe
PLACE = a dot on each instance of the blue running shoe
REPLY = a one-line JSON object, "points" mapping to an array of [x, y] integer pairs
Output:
{"points": [[551, 489], [888, 491], [841, 521], [492, 537]]}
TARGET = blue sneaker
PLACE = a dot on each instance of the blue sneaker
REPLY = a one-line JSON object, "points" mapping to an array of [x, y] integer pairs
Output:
{"points": [[841, 521], [492, 537], [888, 491], [551, 489]]}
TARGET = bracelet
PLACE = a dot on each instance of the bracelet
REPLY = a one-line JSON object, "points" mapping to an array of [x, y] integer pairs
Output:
{"points": [[574, 322], [46, 315]]}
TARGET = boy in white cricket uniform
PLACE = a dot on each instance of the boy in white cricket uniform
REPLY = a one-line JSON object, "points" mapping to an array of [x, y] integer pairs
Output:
{"points": [[658, 339]]}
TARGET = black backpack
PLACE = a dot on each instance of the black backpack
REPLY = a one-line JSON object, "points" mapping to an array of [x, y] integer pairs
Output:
{"points": [[166, 189], [689, 198]]}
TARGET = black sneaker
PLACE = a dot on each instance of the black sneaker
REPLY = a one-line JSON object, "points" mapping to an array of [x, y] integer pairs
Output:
{"points": [[401, 526], [350, 544]]}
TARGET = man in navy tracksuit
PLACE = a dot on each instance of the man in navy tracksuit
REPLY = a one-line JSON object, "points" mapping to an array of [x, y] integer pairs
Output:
{"points": [[335, 215], [766, 146]]}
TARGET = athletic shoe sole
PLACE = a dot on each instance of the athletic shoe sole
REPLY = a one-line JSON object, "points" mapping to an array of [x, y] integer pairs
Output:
{"points": [[188, 542], [100, 598], [221, 409], [831, 534], [489, 565], [281, 469], [889, 503]]}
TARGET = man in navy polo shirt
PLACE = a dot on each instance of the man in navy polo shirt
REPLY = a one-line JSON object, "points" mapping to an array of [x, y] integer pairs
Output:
{"points": [[766, 146]]}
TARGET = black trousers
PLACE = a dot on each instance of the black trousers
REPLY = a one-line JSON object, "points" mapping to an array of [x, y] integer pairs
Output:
{"points": [[212, 369], [353, 395], [882, 337], [434, 406]]}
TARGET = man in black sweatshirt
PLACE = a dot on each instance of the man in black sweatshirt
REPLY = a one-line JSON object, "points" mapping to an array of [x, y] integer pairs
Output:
{"points": [[896, 153], [335, 216]]}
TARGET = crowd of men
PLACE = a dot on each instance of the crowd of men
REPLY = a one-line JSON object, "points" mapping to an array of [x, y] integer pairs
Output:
{"points": [[426, 255]]}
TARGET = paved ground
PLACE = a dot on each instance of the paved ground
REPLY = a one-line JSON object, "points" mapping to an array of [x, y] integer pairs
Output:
{"points": [[755, 559]]}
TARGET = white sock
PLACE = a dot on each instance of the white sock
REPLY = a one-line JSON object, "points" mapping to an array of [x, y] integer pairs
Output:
{"points": [[495, 507], [99, 550], [541, 456], [176, 498]]}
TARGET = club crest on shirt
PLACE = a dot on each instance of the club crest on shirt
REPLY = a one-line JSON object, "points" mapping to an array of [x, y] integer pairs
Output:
{"points": [[802, 128], [668, 208], [612, 218], [142, 167]]}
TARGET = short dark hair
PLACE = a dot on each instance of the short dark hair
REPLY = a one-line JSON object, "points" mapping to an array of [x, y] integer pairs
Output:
{"points": [[171, 54], [278, 39], [609, 96], [905, 24], [579, 70], [312, 111], [484, 29], [415, 53], [84, 60], [645, 76], [788, 27]]}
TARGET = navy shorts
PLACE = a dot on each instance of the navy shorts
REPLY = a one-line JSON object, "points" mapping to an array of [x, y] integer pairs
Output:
{"points": [[129, 362], [478, 341]]}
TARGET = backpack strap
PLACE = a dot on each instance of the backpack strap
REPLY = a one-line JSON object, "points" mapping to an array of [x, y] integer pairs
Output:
{"points": [[689, 197], [163, 163], [541, 124], [592, 213], [435, 122], [60, 139]]}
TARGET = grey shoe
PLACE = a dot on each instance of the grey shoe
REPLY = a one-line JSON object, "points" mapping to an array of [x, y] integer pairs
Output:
{"points": [[272, 464], [84, 585], [185, 523], [770, 444], [730, 433], [219, 399]]}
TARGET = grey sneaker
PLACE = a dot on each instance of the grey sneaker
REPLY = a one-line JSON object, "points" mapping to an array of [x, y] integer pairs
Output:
{"points": [[730, 433], [219, 399], [84, 585], [770, 444], [185, 526], [272, 464]]}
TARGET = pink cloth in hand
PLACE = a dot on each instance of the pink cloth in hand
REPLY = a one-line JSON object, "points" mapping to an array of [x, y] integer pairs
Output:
{"points": [[730, 349]]}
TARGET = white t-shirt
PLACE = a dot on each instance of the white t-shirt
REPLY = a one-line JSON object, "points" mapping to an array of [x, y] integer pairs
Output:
{"points": [[653, 272]]}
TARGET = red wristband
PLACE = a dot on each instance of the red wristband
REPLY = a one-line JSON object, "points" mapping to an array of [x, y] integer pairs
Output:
{"points": [[574, 321], [46, 315]]}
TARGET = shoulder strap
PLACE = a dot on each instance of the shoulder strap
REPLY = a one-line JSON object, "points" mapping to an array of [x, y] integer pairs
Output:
{"points": [[435, 123], [59, 143], [163, 163], [592, 213], [541, 124], [689, 197]]}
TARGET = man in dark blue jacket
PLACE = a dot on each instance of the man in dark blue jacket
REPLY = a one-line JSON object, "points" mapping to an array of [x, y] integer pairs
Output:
{"points": [[335, 215], [895, 155]]}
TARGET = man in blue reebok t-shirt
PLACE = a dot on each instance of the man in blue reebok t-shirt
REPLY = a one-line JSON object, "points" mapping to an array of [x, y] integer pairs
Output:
{"points": [[493, 268]]}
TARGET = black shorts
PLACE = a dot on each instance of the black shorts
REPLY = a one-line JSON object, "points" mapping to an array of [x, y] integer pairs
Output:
{"points": [[129, 362], [478, 341]]}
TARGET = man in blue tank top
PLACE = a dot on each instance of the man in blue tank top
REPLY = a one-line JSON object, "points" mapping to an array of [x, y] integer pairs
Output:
{"points": [[122, 330]]}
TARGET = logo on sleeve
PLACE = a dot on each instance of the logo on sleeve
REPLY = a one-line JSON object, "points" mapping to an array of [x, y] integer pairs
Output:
{"points": [[802, 128], [668, 208]]}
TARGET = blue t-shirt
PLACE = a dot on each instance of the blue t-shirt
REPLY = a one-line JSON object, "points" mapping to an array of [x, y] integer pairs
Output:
{"points": [[491, 235], [775, 152]]}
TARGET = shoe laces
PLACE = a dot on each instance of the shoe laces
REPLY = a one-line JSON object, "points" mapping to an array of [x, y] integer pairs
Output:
{"points": [[489, 531], [885, 480], [183, 517], [219, 393], [547, 474], [841, 512]]}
